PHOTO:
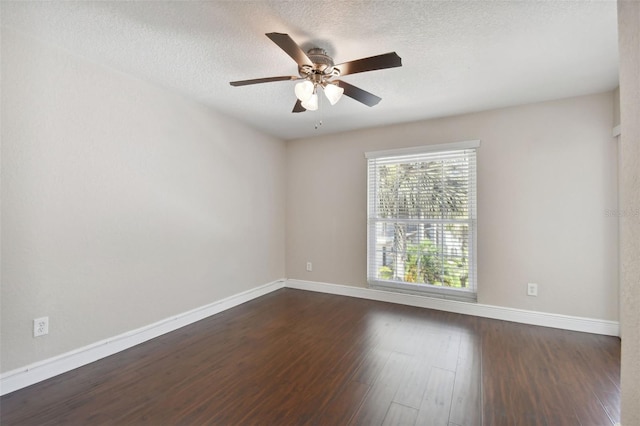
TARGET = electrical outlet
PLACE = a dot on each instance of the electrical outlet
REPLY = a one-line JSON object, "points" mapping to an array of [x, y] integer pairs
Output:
{"points": [[532, 289], [309, 267], [40, 326]]}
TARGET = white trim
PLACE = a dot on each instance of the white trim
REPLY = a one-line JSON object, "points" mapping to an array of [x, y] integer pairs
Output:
{"points": [[616, 131], [427, 290], [42, 370], [424, 148], [565, 322]]}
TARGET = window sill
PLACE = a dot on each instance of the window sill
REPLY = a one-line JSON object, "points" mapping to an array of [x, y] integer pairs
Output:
{"points": [[425, 290]]}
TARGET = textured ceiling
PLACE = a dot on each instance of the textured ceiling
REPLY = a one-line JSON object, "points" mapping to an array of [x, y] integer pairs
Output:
{"points": [[458, 57]]}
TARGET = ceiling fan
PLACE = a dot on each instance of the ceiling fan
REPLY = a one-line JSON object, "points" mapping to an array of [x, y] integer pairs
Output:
{"points": [[317, 70]]}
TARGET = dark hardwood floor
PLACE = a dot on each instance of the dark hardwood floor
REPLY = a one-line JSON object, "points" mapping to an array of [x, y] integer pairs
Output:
{"points": [[301, 358]]}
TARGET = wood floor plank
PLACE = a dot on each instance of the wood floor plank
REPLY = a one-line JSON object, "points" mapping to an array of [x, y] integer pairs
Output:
{"points": [[413, 385], [393, 371], [446, 347], [611, 403], [436, 402], [593, 413], [293, 357], [373, 409], [371, 366], [344, 405], [401, 415], [466, 404]]}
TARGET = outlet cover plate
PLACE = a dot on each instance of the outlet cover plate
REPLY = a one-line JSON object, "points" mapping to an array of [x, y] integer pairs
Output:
{"points": [[40, 326]]}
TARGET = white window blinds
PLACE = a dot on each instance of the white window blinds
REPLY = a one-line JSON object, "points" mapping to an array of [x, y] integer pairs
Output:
{"points": [[422, 220]]}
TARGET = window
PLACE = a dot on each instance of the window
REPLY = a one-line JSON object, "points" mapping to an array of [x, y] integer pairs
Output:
{"points": [[422, 220]]}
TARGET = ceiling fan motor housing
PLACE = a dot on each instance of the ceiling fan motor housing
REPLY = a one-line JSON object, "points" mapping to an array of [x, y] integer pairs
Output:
{"points": [[322, 63]]}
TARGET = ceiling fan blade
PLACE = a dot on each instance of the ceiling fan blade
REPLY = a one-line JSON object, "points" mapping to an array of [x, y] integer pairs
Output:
{"points": [[298, 107], [290, 47], [379, 62], [263, 80], [358, 94]]}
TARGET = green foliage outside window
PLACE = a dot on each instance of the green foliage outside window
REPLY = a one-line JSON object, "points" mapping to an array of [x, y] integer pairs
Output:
{"points": [[424, 265], [429, 192]]}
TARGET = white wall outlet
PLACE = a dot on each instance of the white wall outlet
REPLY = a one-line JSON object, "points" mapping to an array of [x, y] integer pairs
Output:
{"points": [[309, 267], [40, 326], [532, 289]]}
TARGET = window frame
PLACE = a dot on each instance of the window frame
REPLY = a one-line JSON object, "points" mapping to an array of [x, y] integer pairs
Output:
{"points": [[423, 289]]}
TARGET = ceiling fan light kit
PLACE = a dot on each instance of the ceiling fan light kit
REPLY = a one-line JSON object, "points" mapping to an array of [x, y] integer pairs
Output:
{"points": [[304, 90], [307, 90], [317, 69], [311, 104], [333, 93]]}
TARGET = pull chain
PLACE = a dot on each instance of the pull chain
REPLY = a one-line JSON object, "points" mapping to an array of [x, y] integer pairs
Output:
{"points": [[319, 123]]}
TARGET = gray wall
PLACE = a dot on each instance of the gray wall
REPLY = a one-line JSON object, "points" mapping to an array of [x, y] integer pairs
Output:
{"points": [[123, 204], [547, 176]]}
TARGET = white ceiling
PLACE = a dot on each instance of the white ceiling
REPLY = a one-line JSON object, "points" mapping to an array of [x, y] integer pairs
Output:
{"points": [[457, 57]]}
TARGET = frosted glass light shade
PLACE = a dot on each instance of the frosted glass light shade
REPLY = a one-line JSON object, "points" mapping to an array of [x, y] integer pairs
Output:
{"points": [[333, 93], [304, 90], [312, 103]]}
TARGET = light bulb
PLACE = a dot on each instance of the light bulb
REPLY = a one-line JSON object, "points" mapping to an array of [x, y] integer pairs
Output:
{"points": [[333, 93], [304, 90], [312, 103]]}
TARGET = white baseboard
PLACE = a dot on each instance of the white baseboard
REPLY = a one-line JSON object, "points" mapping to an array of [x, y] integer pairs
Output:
{"points": [[565, 322], [42, 370]]}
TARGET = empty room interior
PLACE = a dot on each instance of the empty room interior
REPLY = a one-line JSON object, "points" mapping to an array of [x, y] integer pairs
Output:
{"points": [[310, 213]]}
